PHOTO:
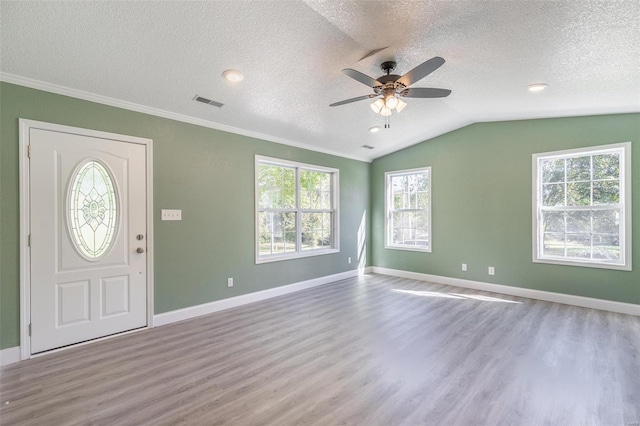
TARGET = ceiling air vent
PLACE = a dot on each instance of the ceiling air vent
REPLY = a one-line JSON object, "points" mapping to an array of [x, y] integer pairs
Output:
{"points": [[368, 146], [207, 101]]}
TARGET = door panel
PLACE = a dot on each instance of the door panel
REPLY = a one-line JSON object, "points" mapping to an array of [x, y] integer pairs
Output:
{"points": [[88, 203]]}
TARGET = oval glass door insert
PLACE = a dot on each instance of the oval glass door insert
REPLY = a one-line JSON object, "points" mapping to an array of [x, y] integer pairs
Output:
{"points": [[92, 209]]}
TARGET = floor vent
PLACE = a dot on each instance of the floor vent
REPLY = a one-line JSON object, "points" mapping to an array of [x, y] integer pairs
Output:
{"points": [[207, 101], [368, 146]]}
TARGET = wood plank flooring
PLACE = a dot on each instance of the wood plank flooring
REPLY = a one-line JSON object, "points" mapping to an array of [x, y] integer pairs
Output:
{"points": [[372, 350]]}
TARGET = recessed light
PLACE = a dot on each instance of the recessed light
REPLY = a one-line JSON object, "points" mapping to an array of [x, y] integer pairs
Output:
{"points": [[233, 76], [374, 129], [367, 147], [537, 87]]}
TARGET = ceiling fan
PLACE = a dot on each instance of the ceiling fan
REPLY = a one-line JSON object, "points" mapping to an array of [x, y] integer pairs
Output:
{"points": [[390, 88]]}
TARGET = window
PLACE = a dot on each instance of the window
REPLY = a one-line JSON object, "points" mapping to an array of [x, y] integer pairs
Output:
{"points": [[408, 209], [296, 210], [582, 207]]}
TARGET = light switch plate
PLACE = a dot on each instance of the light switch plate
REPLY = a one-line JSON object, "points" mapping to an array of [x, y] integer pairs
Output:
{"points": [[171, 214]]}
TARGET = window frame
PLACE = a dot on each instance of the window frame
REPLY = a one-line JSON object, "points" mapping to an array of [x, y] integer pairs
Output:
{"points": [[388, 240], [625, 204], [298, 210]]}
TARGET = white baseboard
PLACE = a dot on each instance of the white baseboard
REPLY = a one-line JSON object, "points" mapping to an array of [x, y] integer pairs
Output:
{"points": [[232, 302], [567, 299], [9, 355]]}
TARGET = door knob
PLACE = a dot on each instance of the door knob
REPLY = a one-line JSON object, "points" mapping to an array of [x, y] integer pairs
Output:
{"points": [[140, 250]]}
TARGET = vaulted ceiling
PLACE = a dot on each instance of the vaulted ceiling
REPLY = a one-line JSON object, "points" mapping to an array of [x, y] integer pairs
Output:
{"points": [[159, 55]]}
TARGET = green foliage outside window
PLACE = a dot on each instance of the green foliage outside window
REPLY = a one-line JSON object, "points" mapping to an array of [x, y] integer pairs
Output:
{"points": [[570, 185], [282, 202]]}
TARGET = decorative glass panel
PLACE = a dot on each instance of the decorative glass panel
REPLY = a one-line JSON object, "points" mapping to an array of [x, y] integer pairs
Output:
{"points": [[92, 210]]}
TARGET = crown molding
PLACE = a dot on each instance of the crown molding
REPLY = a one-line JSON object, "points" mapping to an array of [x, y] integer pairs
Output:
{"points": [[105, 100]]}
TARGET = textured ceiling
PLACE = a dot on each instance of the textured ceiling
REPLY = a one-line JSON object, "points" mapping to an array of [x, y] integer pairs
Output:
{"points": [[161, 54]]}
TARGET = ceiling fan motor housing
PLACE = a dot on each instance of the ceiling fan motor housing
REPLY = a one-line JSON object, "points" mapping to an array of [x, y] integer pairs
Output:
{"points": [[388, 66]]}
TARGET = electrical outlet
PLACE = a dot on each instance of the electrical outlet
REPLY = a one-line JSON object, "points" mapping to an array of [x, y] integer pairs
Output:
{"points": [[349, 259], [492, 270], [171, 214], [464, 267], [229, 282]]}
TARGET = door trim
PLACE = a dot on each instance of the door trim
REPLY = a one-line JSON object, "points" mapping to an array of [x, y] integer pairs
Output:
{"points": [[25, 126]]}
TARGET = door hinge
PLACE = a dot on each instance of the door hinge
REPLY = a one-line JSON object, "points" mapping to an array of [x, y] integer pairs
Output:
{"points": [[29, 330], [29, 241], [29, 151]]}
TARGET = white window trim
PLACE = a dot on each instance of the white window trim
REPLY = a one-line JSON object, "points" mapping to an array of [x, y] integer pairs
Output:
{"points": [[387, 201], [335, 183], [625, 195]]}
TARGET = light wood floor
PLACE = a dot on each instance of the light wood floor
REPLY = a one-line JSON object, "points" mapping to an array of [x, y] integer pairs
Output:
{"points": [[372, 350]]}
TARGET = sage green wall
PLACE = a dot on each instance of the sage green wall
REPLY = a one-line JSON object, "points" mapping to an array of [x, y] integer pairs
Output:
{"points": [[206, 173], [481, 194], [482, 201]]}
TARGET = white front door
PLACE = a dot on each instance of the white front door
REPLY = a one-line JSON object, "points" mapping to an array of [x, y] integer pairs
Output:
{"points": [[88, 228]]}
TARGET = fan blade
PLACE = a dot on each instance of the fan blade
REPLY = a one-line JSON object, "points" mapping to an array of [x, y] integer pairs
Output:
{"points": [[359, 98], [426, 92], [421, 71], [362, 78]]}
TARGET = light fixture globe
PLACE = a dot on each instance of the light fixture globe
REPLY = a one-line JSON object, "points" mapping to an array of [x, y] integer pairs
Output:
{"points": [[391, 102], [377, 106]]}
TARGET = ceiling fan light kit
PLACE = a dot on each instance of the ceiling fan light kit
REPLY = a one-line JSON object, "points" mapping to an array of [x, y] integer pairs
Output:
{"points": [[390, 88]]}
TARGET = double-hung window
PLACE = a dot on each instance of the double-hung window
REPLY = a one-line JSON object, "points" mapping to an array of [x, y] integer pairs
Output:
{"points": [[582, 207], [296, 210], [408, 209]]}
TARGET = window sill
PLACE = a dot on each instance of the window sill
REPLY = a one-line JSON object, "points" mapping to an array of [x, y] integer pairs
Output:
{"points": [[408, 248], [291, 256], [552, 261]]}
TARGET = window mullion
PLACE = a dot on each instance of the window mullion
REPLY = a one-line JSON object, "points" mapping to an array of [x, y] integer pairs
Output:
{"points": [[271, 230], [298, 214]]}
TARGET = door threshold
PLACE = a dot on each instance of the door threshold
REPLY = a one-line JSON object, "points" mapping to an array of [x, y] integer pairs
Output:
{"points": [[87, 342]]}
